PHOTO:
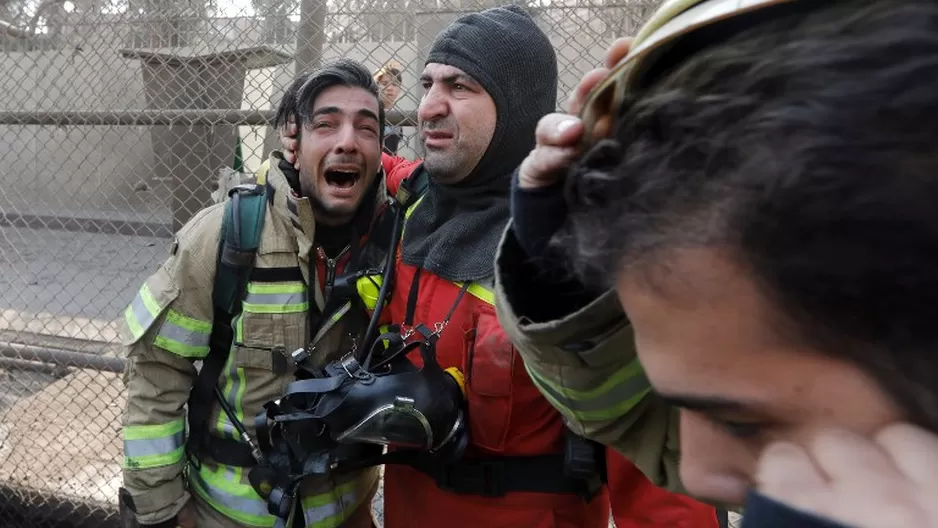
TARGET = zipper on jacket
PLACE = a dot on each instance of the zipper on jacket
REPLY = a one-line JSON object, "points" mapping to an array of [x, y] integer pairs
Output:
{"points": [[327, 288], [310, 303]]}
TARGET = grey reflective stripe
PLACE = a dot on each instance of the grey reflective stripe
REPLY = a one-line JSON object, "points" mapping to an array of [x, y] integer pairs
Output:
{"points": [[275, 298], [345, 505], [182, 335], [142, 315], [154, 446], [226, 427], [254, 507]]}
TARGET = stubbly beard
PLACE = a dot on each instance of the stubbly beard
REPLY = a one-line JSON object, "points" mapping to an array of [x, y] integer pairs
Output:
{"points": [[332, 216], [454, 164], [443, 168]]}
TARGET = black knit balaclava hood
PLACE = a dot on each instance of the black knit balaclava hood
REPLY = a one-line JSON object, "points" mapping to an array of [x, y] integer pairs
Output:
{"points": [[455, 230]]}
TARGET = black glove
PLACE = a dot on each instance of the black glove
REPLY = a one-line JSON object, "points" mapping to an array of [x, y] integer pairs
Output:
{"points": [[760, 511], [536, 215], [292, 175]]}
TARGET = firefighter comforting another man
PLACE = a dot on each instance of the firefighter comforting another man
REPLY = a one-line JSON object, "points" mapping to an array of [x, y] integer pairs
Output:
{"points": [[325, 304]]}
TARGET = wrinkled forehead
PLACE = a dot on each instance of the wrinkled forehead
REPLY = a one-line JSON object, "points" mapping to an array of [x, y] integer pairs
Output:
{"points": [[347, 100]]}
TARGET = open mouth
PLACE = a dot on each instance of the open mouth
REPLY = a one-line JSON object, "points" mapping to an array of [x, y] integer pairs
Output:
{"points": [[342, 178]]}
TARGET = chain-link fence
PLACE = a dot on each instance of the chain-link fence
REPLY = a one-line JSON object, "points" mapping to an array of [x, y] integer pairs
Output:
{"points": [[117, 119]]}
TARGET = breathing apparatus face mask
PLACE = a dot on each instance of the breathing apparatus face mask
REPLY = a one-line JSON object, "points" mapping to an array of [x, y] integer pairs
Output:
{"points": [[340, 418], [394, 403]]}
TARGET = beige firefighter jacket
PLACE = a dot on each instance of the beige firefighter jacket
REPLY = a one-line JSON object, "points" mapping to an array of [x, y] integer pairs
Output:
{"points": [[167, 329], [585, 365]]}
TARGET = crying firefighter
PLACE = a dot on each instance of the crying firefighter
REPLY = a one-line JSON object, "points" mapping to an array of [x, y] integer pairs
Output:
{"points": [[294, 245]]}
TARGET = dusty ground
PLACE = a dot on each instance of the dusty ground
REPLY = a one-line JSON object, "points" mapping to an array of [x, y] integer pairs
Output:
{"points": [[65, 438]]}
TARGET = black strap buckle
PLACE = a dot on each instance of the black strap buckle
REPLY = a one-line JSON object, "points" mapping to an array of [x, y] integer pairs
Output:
{"points": [[486, 479]]}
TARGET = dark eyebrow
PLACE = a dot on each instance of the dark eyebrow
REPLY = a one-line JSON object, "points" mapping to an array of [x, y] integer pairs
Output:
{"points": [[330, 110], [326, 110], [367, 114], [451, 79], [704, 403]]}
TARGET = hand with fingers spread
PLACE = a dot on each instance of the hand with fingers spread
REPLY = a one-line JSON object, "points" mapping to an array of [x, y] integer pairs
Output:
{"points": [[559, 135], [890, 481]]}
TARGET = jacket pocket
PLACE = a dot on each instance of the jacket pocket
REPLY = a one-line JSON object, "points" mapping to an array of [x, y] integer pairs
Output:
{"points": [[266, 341], [490, 365], [259, 369]]}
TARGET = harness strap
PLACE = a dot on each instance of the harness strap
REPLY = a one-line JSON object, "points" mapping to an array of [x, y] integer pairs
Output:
{"points": [[494, 477], [412, 299], [314, 385], [229, 452], [452, 309]]}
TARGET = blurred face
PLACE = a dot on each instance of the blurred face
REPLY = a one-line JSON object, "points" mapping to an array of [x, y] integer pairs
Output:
{"points": [[457, 120], [339, 152], [390, 91], [709, 344]]}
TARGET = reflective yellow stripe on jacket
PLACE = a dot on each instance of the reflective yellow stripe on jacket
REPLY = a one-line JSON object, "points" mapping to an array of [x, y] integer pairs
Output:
{"points": [[276, 298], [480, 292], [150, 446], [614, 397], [329, 510], [141, 312], [180, 334], [233, 383], [183, 335], [410, 210], [225, 490]]}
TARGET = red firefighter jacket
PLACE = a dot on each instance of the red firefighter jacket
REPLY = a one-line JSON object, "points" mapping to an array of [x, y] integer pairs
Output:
{"points": [[507, 415]]}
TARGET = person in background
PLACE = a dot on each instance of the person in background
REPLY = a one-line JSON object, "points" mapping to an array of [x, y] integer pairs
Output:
{"points": [[390, 79], [762, 209]]}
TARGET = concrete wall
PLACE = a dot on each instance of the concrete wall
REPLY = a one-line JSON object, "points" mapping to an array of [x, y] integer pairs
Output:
{"points": [[79, 171]]}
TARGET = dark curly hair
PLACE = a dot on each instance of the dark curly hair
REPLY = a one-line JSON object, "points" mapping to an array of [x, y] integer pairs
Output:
{"points": [[808, 147]]}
